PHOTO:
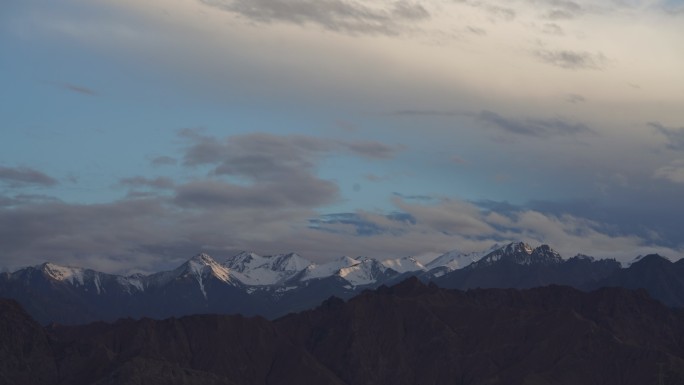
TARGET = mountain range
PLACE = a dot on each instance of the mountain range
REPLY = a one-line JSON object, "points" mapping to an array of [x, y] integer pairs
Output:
{"points": [[272, 286], [407, 334]]}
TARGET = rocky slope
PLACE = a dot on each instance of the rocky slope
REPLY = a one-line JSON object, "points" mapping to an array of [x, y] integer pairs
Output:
{"points": [[410, 333]]}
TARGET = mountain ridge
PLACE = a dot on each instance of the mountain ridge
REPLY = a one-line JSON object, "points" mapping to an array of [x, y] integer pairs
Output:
{"points": [[272, 286], [406, 334]]}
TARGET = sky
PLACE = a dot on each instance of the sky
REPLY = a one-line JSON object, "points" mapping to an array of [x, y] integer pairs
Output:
{"points": [[135, 134]]}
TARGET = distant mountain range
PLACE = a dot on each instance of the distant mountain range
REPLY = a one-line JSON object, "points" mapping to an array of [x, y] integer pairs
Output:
{"points": [[272, 286], [407, 334]]}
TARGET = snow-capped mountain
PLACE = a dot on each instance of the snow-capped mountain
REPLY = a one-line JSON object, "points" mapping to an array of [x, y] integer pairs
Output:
{"points": [[256, 270], [365, 271], [519, 253], [271, 286], [332, 268], [404, 265], [456, 259]]}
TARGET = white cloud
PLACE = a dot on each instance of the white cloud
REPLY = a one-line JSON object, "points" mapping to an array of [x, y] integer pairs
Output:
{"points": [[674, 172]]}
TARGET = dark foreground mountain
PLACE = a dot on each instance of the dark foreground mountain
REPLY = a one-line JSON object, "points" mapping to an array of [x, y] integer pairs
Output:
{"points": [[410, 333]]}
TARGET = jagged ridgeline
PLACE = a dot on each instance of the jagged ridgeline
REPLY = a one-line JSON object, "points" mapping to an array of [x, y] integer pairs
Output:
{"points": [[407, 334], [272, 286]]}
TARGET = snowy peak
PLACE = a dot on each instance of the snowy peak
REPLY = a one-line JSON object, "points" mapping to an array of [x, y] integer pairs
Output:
{"points": [[365, 272], [456, 259], [202, 266], [520, 253], [202, 259], [73, 275], [404, 265], [545, 255], [256, 270], [241, 262], [85, 279], [329, 269], [359, 271]]}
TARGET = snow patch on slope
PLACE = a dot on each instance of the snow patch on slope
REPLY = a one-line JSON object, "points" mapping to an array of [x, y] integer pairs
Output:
{"points": [[404, 265], [73, 275], [256, 270]]}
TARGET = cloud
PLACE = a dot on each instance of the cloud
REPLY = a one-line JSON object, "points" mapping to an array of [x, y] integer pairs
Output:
{"points": [[297, 191], [362, 226], [674, 136], [552, 29], [564, 10], [262, 156], [335, 15], [25, 176], [574, 60], [533, 127], [674, 172], [424, 198], [26, 199], [161, 183], [504, 13], [449, 216], [149, 234], [163, 161], [476, 30], [80, 89], [425, 113], [575, 98]]}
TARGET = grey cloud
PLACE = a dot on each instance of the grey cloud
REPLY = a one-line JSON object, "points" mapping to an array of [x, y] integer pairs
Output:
{"points": [[80, 89], [534, 127], [424, 198], [375, 178], [303, 191], [572, 59], [280, 170], [151, 234], [552, 29], [362, 226], [139, 181], [476, 30], [25, 199], [67, 232], [273, 157], [334, 15], [562, 10], [494, 11], [673, 172], [575, 98], [674, 136], [418, 112], [367, 149], [163, 161], [23, 176], [410, 11], [504, 13]]}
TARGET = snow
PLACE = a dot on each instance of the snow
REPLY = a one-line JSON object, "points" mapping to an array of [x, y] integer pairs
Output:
{"points": [[328, 269], [73, 275], [404, 265], [98, 284], [201, 266], [256, 270], [363, 273], [456, 259], [131, 282], [356, 271]]}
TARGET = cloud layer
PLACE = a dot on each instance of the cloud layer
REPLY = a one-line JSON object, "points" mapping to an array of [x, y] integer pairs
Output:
{"points": [[332, 127]]}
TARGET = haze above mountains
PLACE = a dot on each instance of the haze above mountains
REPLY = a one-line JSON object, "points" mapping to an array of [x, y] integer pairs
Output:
{"points": [[272, 286]]}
